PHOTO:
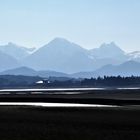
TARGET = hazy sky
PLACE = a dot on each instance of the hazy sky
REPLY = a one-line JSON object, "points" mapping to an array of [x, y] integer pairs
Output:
{"points": [[33, 23]]}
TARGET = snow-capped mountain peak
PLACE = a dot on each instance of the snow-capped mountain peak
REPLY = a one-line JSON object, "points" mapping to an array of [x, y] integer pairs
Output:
{"points": [[134, 55], [16, 51]]}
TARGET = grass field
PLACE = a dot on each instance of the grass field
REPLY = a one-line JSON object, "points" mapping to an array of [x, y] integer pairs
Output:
{"points": [[54, 123]]}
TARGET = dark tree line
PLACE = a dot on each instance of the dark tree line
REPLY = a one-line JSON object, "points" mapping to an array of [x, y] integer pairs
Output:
{"points": [[10, 81], [13, 81], [112, 81], [106, 81]]}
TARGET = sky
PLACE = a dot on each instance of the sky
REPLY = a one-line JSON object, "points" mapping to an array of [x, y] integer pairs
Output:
{"points": [[89, 23]]}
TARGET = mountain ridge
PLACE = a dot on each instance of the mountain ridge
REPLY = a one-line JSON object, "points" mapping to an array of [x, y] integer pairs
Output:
{"points": [[128, 68], [60, 55], [65, 56], [16, 51]]}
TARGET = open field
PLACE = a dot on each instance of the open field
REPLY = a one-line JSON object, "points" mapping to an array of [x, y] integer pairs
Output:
{"points": [[79, 96], [73, 123], [79, 120]]}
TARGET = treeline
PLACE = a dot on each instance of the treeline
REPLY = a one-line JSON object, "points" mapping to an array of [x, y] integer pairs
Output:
{"points": [[106, 81], [112, 81], [11, 81]]}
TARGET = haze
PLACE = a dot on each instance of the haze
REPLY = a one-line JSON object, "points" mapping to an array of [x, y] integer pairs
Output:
{"points": [[89, 23]]}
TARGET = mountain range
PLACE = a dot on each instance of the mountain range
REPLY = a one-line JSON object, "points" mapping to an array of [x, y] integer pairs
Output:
{"points": [[16, 51], [128, 68], [62, 58], [31, 72], [60, 55]]}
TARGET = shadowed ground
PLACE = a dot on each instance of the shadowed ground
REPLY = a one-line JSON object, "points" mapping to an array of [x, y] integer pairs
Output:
{"points": [[81, 96], [53, 123]]}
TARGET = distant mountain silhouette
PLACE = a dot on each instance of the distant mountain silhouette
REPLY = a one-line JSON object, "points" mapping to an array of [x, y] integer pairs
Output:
{"points": [[108, 54], [135, 56], [16, 51], [128, 68], [60, 55], [107, 51], [7, 62], [20, 71], [25, 71]]}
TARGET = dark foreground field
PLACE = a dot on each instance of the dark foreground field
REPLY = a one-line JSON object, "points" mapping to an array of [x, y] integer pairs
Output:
{"points": [[62, 123], [119, 97]]}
